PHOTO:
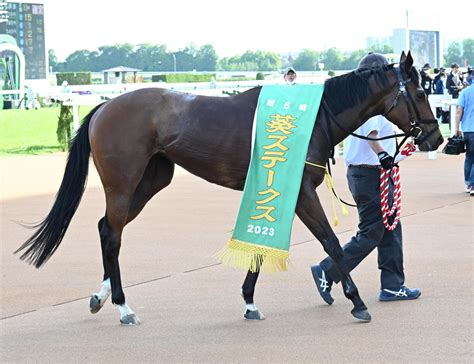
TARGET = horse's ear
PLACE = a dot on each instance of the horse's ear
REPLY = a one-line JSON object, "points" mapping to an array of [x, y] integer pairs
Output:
{"points": [[403, 57], [408, 63]]}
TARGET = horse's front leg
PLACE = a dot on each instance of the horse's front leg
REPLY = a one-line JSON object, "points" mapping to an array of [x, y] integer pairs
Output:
{"points": [[248, 289], [311, 213]]}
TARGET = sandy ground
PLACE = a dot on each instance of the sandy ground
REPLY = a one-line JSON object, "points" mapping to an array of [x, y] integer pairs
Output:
{"points": [[190, 306]]}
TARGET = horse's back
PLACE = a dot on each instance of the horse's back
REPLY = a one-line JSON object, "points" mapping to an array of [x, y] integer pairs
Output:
{"points": [[205, 135]]}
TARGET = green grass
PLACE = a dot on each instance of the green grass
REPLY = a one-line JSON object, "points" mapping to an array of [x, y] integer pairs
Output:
{"points": [[31, 131]]}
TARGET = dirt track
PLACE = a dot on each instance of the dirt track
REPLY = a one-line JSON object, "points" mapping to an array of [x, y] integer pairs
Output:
{"points": [[190, 306]]}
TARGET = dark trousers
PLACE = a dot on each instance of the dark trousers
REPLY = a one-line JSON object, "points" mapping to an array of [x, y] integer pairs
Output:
{"points": [[364, 185], [469, 160]]}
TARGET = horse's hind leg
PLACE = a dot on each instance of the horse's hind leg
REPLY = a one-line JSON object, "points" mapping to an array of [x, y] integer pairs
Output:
{"points": [[157, 175], [118, 203], [98, 299], [311, 213]]}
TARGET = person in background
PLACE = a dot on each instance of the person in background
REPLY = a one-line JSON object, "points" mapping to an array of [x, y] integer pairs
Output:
{"points": [[440, 89], [470, 76], [426, 80], [65, 87], [364, 160], [453, 84], [439, 83], [32, 98], [441, 72], [465, 119], [213, 84], [290, 76]]}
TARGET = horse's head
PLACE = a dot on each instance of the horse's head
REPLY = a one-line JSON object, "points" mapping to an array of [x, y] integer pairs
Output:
{"points": [[409, 109]]}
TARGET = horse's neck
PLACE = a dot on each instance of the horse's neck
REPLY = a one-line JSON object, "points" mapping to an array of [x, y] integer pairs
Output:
{"points": [[352, 118]]}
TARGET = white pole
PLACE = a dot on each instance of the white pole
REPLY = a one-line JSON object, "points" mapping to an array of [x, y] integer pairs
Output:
{"points": [[452, 117]]}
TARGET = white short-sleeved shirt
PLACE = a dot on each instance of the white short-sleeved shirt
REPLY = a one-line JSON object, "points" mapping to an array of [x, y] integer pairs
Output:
{"points": [[357, 151]]}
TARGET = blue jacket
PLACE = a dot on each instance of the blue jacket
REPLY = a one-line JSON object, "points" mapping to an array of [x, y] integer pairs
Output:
{"points": [[439, 87]]}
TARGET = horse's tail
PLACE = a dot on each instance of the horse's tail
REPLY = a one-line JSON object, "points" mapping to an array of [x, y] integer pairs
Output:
{"points": [[50, 232]]}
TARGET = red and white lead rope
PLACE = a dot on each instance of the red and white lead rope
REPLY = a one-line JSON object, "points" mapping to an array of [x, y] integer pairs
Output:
{"points": [[407, 151], [397, 196]]}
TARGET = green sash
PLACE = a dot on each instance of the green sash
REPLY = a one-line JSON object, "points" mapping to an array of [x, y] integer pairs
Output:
{"points": [[282, 129]]}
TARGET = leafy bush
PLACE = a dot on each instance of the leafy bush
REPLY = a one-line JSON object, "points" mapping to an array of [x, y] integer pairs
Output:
{"points": [[331, 73], [63, 131], [260, 76], [183, 77], [74, 78]]}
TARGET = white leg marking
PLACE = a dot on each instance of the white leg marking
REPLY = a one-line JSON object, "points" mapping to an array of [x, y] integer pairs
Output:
{"points": [[125, 310], [104, 291], [251, 307], [248, 306]]}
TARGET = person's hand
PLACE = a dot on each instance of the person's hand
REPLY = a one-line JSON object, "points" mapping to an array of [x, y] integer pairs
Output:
{"points": [[457, 133], [385, 159]]}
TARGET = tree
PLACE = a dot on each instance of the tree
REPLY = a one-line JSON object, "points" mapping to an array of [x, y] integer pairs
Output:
{"points": [[468, 51], [379, 48], [78, 61], [252, 61], [112, 56], [454, 54], [307, 60], [332, 59], [185, 58], [206, 58], [351, 61], [151, 57]]}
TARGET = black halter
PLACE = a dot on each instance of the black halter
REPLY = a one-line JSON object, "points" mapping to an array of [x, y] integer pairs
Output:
{"points": [[415, 131]]}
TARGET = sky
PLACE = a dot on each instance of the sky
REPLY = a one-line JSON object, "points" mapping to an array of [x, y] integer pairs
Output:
{"points": [[233, 27]]}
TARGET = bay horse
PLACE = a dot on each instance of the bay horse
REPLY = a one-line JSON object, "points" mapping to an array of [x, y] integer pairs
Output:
{"points": [[136, 139]]}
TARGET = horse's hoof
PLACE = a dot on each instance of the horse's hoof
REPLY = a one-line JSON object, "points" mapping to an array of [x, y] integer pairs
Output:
{"points": [[362, 315], [254, 315], [95, 304], [130, 320]]}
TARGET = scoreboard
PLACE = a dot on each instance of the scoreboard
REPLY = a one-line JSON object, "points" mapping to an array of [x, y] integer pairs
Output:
{"points": [[25, 23]]}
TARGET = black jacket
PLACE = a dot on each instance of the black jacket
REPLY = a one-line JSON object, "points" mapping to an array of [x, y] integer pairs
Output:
{"points": [[451, 86], [426, 82]]}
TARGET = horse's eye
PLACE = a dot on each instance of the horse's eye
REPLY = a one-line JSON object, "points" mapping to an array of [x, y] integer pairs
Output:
{"points": [[420, 95]]}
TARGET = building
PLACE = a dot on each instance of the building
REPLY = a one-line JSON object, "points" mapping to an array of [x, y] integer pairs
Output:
{"points": [[424, 45], [120, 74]]}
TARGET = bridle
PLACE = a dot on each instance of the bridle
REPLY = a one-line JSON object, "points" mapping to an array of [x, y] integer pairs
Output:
{"points": [[415, 130]]}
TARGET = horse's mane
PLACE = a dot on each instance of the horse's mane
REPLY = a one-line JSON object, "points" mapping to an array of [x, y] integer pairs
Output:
{"points": [[346, 91]]}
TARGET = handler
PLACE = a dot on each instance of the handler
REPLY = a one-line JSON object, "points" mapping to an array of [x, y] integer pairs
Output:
{"points": [[364, 160]]}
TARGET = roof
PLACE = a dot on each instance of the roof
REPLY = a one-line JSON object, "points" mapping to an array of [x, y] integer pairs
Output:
{"points": [[121, 69]]}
